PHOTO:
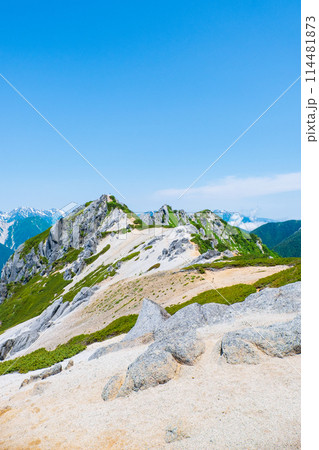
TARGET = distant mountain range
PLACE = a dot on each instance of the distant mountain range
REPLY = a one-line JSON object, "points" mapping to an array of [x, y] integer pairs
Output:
{"points": [[21, 224], [236, 219], [282, 237]]}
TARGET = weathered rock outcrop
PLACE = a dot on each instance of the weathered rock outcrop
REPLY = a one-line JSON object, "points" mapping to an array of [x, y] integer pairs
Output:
{"points": [[176, 340], [285, 299], [153, 367], [145, 339], [174, 345], [69, 364], [206, 257], [18, 268], [185, 347], [54, 370], [277, 340], [190, 317], [176, 247], [83, 296], [238, 351], [217, 313], [98, 353], [67, 275], [157, 365], [161, 361], [151, 317], [50, 314], [112, 387], [23, 340], [5, 348], [210, 222]]}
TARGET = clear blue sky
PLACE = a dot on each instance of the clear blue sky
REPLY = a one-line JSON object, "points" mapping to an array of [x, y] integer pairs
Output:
{"points": [[151, 93]]}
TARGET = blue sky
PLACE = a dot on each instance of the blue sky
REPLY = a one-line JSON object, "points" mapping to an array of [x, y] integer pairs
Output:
{"points": [[151, 93]]}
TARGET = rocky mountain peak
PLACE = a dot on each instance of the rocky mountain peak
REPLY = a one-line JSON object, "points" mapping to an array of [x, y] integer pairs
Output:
{"points": [[70, 243]]}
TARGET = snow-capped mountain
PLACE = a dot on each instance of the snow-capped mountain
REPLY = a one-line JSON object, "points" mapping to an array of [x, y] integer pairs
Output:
{"points": [[22, 223], [23, 212], [239, 220]]}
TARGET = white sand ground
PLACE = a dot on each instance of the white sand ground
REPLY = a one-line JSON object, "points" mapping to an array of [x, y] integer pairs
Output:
{"points": [[217, 405]]}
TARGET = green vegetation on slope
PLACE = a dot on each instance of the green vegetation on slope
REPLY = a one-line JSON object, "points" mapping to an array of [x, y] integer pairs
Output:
{"points": [[282, 278], [173, 220], [130, 256], [70, 256], [203, 244], [42, 358], [272, 234], [238, 292], [94, 277], [34, 242], [26, 228], [290, 246], [245, 261], [93, 258], [30, 299], [246, 244], [113, 204], [155, 266], [238, 240], [226, 296]]}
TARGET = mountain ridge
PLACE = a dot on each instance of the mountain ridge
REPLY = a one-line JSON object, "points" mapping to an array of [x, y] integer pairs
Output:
{"points": [[104, 239], [282, 237], [291, 246], [88, 224]]}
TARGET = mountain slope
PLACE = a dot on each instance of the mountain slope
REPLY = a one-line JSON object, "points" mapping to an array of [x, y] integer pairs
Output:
{"points": [[273, 234], [290, 246], [104, 240]]}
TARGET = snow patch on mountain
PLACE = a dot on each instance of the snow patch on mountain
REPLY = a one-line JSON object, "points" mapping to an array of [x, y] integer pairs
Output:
{"points": [[24, 212], [4, 231], [10, 221], [246, 223]]}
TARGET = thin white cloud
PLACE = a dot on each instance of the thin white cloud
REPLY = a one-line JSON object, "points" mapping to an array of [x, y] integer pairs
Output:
{"points": [[232, 187]]}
